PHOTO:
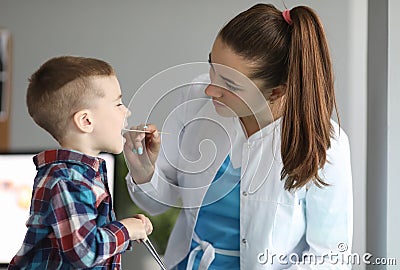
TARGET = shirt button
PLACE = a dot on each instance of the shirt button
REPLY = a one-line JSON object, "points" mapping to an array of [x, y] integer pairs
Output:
{"points": [[244, 193], [249, 146], [244, 240]]}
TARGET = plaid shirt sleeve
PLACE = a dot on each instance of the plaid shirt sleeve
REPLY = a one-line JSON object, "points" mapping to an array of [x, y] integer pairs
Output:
{"points": [[73, 218]]}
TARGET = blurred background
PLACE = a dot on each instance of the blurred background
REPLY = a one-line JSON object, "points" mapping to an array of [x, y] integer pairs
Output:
{"points": [[142, 38]]}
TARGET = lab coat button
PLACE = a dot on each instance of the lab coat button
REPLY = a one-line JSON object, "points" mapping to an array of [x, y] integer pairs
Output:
{"points": [[244, 193], [244, 240]]}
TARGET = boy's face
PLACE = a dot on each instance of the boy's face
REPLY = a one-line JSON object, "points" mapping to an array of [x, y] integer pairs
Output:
{"points": [[109, 115]]}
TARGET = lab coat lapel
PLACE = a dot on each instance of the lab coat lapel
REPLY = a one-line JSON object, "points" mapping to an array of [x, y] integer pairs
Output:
{"points": [[205, 144]]}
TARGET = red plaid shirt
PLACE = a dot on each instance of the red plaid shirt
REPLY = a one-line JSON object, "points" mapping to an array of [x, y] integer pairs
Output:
{"points": [[71, 224]]}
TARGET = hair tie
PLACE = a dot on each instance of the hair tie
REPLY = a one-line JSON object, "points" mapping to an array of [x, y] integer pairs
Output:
{"points": [[286, 16]]}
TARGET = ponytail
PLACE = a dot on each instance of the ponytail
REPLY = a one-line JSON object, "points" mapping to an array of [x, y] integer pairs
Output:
{"points": [[290, 49], [309, 102]]}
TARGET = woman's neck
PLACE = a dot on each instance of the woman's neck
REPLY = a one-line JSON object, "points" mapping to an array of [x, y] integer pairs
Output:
{"points": [[253, 123]]}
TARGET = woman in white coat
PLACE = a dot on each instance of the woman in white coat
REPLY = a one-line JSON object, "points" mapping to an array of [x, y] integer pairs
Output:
{"points": [[260, 170]]}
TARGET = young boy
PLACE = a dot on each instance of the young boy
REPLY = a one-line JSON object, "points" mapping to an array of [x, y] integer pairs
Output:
{"points": [[72, 224]]}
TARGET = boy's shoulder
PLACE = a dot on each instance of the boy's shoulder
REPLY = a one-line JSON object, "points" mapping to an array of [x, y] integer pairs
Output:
{"points": [[64, 165]]}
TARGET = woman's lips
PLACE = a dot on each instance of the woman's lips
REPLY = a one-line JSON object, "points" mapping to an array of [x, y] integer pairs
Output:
{"points": [[218, 104]]}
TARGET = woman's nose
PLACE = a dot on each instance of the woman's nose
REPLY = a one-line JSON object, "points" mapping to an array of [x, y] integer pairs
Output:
{"points": [[214, 91]]}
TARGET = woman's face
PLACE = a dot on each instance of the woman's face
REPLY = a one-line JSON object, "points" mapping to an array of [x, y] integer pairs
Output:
{"points": [[232, 92]]}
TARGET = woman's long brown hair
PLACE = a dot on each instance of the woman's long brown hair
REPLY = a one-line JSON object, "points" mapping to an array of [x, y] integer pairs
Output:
{"points": [[295, 56]]}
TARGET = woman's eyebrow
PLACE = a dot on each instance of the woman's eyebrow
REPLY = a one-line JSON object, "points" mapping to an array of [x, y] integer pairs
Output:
{"points": [[210, 62], [224, 78], [230, 81]]}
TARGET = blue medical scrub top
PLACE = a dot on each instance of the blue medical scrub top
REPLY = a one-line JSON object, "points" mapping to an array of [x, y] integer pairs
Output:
{"points": [[219, 222]]}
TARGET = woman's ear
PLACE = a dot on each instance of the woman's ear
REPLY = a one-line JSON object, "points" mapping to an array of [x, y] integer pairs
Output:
{"points": [[83, 121], [277, 93]]}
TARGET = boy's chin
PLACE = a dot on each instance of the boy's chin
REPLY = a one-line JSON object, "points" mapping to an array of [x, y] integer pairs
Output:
{"points": [[115, 150]]}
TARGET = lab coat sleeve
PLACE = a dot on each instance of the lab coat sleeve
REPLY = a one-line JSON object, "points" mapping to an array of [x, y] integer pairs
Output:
{"points": [[156, 196], [329, 211], [151, 197], [162, 191]]}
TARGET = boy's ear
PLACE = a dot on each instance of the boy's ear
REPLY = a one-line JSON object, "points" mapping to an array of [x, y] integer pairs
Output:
{"points": [[83, 121]]}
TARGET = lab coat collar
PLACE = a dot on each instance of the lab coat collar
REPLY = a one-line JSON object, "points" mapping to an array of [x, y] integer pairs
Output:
{"points": [[239, 138]]}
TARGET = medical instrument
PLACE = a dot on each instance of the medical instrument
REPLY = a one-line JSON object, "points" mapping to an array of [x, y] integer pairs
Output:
{"points": [[145, 131], [154, 253]]}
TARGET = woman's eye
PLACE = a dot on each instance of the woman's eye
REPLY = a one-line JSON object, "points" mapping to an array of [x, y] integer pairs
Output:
{"points": [[232, 88]]}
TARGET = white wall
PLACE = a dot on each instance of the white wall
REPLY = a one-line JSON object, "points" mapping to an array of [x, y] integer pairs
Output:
{"points": [[143, 38], [393, 214], [377, 139], [355, 116], [383, 236]]}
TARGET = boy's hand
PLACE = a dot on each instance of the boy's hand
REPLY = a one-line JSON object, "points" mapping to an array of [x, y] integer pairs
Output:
{"points": [[141, 151], [138, 227], [146, 221]]}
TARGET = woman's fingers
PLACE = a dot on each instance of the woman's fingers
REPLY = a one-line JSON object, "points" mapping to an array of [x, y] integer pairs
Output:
{"points": [[142, 142], [138, 144], [152, 142], [135, 140], [141, 152]]}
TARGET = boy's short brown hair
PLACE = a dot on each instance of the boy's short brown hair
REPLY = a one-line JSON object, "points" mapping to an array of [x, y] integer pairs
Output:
{"points": [[61, 87]]}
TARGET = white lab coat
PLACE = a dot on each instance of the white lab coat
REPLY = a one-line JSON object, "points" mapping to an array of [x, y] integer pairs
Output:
{"points": [[274, 223]]}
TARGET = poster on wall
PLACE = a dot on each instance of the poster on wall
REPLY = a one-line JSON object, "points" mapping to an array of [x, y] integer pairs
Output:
{"points": [[4, 73]]}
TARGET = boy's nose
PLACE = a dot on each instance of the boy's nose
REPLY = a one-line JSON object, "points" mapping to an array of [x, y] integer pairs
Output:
{"points": [[128, 112]]}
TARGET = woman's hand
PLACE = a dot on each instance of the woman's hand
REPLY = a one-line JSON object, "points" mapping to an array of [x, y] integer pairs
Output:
{"points": [[141, 151]]}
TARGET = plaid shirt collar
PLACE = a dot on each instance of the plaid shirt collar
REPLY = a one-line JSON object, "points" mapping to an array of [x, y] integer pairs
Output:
{"points": [[65, 155]]}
